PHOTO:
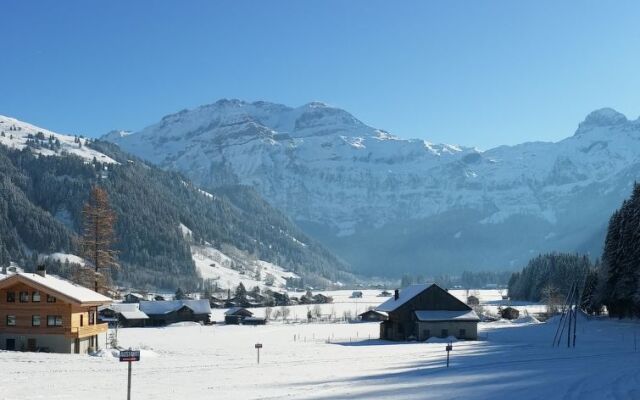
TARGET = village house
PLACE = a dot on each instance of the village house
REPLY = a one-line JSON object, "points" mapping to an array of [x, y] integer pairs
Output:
{"points": [[133, 298], [40, 312], [373, 315], [168, 312], [125, 315], [236, 315], [419, 312]]}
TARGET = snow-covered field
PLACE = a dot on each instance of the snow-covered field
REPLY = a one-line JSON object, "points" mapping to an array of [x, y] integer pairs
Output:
{"points": [[339, 361]]}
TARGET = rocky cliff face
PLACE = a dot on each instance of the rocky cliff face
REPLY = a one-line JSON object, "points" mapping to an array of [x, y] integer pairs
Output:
{"points": [[390, 205]]}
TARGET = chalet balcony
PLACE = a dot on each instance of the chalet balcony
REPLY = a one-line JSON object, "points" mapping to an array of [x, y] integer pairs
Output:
{"points": [[88, 330]]}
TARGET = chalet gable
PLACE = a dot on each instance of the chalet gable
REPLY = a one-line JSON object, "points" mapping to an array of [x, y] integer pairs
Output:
{"points": [[423, 297]]}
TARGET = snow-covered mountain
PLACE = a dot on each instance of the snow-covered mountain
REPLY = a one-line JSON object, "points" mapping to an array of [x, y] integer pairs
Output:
{"points": [[17, 134], [388, 204], [170, 233]]}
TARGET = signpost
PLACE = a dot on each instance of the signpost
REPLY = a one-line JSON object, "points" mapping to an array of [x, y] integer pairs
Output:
{"points": [[258, 346], [448, 349], [129, 356]]}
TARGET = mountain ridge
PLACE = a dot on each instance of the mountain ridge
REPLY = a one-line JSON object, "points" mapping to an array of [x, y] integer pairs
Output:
{"points": [[343, 180]]}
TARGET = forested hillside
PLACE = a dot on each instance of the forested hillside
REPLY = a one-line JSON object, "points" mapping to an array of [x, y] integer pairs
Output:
{"points": [[41, 200]]}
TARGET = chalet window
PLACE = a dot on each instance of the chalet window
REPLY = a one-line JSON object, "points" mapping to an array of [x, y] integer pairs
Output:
{"points": [[11, 297], [35, 297], [51, 299], [11, 320], [54, 320], [24, 297], [92, 317], [35, 320], [81, 319], [445, 333]]}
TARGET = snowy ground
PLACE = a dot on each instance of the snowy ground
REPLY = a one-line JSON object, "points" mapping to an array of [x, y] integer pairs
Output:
{"points": [[339, 361]]}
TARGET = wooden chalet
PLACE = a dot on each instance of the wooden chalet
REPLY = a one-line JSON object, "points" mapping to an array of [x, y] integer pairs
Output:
{"points": [[168, 312], [40, 312], [373, 315], [419, 312], [236, 315], [133, 298], [123, 315]]}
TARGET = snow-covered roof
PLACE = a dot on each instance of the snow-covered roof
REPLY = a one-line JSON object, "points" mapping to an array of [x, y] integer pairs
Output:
{"points": [[375, 312], [447, 316], [165, 307], [406, 294], [59, 287], [234, 310], [127, 310]]}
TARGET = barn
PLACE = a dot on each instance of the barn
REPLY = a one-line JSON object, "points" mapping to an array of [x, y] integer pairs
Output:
{"points": [[373, 315], [236, 315], [419, 312]]}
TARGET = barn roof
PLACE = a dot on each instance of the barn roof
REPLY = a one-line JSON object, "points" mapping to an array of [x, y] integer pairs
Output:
{"points": [[406, 294], [166, 307], [59, 287], [433, 316]]}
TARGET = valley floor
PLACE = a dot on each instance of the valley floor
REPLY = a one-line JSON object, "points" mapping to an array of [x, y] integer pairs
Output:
{"points": [[183, 362]]}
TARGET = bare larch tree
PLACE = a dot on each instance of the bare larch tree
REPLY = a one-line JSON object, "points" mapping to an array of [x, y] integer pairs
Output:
{"points": [[98, 236]]}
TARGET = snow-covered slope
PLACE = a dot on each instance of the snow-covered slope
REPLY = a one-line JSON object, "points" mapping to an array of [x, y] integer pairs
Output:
{"points": [[17, 134], [369, 194]]}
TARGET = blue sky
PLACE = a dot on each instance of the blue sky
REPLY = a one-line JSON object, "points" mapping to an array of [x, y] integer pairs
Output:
{"points": [[477, 73]]}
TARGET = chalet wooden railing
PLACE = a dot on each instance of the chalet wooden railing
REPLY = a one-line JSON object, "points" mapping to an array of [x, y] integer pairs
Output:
{"points": [[88, 330]]}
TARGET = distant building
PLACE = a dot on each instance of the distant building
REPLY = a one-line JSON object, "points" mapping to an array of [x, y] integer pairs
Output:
{"points": [[373, 315], [356, 295], [384, 293], [236, 315], [168, 312], [322, 299], [43, 312], [422, 311], [133, 298], [126, 315], [509, 313]]}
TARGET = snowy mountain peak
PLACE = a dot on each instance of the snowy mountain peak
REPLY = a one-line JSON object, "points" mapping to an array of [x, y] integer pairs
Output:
{"points": [[602, 118]]}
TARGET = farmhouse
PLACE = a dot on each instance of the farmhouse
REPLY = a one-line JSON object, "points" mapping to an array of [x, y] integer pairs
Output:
{"points": [[168, 312], [40, 312], [124, 314], [373, 315], [422, 311], [236, 315], [133, 298]]}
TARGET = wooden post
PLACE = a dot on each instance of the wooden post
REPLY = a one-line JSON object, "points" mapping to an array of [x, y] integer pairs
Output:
{"points": [[129, 383]]}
